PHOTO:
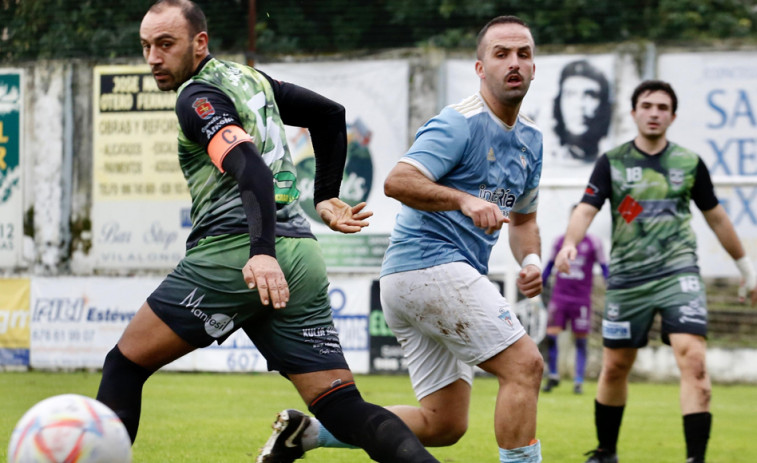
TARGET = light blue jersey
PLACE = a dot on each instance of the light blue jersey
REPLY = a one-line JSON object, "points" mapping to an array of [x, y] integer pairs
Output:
{"points": [[468, 148]]}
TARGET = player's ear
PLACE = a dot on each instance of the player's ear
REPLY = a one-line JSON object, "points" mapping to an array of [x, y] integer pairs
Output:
{"points": [[201, 43], [479, 68]]}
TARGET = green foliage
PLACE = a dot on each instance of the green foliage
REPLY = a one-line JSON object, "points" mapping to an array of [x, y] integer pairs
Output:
{"points": [[40, 29]]}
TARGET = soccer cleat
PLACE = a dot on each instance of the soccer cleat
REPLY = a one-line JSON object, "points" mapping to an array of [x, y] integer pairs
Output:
{"points": [[578, 388], [601, 456], [285, 443], [550, 384]]}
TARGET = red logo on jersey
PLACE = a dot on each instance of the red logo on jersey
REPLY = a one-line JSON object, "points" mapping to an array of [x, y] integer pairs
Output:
{"points": [[629, 209], [591, 190], [203, 108]]}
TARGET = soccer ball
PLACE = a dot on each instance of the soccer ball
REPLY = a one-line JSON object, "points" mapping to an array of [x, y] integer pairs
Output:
{"points": [[69, 428]]}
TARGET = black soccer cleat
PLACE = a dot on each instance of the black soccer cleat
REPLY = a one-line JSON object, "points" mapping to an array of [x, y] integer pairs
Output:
{"points": [[601, 456], [550, 384], [285, 443], [578, 388]]}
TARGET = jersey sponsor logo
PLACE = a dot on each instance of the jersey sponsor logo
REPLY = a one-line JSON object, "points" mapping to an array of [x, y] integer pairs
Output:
{"points": [[692, 313], [285, 187], [203, 108], [616, 330], [216, 325], [502, 197], [629, 209]]}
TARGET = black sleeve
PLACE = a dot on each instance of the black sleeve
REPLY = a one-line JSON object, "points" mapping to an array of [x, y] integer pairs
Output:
{"points": [[600, 183], [203, 110], [255, 181], [703, 192], [325, 119]]}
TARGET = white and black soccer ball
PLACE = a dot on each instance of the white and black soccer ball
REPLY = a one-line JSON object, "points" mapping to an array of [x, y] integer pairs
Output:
{"points": [[69, 428]]}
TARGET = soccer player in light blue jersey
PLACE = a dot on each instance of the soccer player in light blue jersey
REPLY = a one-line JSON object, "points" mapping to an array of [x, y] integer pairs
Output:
{"points": [[473, 168]]}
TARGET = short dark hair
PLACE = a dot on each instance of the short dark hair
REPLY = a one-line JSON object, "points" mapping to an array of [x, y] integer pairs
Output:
{"points": [[192, 13], [507, 19], [654, 86]]}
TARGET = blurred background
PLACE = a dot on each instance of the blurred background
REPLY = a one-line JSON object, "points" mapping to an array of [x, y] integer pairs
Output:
{"points": [[94, 210]]}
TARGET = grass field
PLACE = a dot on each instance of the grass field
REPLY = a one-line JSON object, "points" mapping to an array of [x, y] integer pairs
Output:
{"points": [[225, 418]]}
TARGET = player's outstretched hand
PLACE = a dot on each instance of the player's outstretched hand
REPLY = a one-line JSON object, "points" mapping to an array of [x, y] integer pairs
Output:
{"points": [[263, 272], [342, 217], [529, 281], [564, 258]]}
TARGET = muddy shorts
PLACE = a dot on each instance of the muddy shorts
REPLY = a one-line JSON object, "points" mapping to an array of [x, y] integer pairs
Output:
{"points": [[447, 318]]}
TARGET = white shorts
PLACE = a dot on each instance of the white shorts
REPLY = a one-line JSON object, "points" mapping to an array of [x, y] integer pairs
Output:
{"points": [[447, 318]]}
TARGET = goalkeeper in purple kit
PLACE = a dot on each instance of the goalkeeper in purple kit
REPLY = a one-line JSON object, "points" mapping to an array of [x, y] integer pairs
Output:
{"points": [[570, 302]]}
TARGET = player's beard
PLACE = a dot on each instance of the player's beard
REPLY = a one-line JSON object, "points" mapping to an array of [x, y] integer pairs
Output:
{"points": [[182, 74]]}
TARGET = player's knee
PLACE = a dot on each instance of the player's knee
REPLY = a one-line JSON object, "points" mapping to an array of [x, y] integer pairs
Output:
{"points": [[442, 430], [452, 433], [534, 365]]}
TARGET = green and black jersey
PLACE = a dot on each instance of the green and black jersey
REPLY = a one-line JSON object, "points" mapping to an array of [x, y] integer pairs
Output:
{"points": [[650, 204], [220, 94]]}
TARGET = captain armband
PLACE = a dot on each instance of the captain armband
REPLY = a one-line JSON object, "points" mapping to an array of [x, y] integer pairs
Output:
{"points": [[224, 141]]}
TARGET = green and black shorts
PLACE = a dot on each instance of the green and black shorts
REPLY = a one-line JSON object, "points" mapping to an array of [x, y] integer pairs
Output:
{"points": [[679, 299], [205, 299]]}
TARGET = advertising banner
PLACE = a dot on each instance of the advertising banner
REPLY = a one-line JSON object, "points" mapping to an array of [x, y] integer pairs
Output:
{"points": [[14, 322], [717, 118], [375, 96], [140, 199], [76, 321], [11, 147]]}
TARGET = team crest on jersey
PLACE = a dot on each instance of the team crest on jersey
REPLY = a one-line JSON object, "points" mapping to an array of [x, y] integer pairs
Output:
{"points": [[203, 108], [523, 161], [676, 177], [505, 316], [490, 155]]}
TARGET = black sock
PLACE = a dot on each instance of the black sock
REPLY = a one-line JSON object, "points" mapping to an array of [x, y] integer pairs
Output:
{"points": [[121, 389], [607, 419], [696, 430], [375, 429]]}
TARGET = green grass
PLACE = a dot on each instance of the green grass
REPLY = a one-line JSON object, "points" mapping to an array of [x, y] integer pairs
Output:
{"points": [[225, 418]]}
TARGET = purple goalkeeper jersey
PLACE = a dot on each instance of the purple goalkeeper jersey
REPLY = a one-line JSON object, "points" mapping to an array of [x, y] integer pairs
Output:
{"points": [[576, 286]]}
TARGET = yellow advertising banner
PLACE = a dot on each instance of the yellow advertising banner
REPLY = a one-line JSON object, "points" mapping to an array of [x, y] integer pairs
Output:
{"points": [[14, 321]]}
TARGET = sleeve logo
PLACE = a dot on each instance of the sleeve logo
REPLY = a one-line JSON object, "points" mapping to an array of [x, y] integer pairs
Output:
{"points": [[203, 108]]}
